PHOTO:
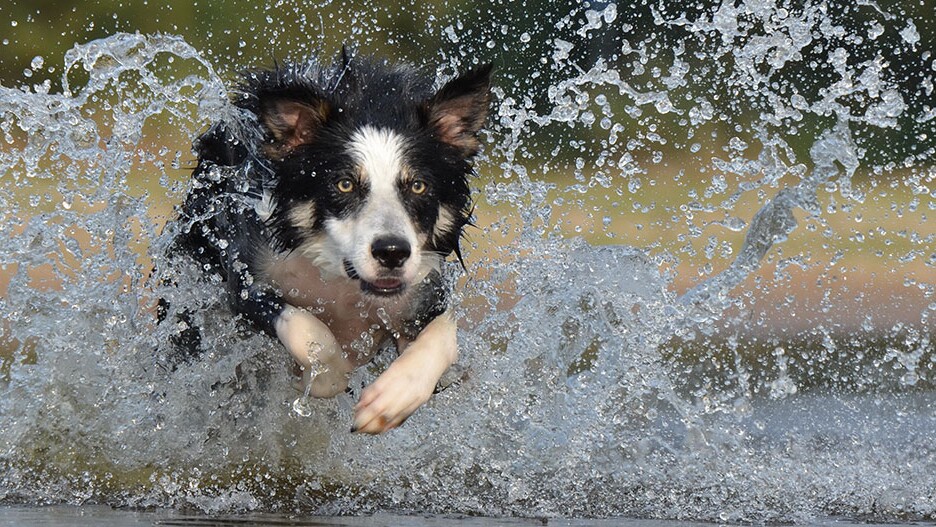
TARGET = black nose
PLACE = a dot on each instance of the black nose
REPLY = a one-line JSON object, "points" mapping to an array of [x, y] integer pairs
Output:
{"points": [[391, 251]]}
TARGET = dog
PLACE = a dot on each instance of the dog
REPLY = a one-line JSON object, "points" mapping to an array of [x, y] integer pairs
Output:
{"points": [[328, 204]]}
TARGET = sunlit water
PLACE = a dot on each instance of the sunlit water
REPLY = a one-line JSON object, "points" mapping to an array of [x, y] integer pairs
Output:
{"points": [[592, 383]]}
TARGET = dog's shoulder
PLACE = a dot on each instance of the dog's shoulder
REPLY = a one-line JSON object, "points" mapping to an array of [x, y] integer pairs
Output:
{"points": [[429, 300]]}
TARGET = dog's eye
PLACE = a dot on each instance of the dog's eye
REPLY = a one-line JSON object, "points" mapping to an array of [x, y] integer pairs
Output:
{"points": [[345, 185], [418, 186]]}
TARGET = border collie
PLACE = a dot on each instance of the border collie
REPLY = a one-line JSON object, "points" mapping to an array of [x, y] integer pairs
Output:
{"points": [[328, 205]]}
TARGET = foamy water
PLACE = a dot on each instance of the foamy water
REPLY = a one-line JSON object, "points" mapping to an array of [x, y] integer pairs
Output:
{"points": [[596, 382]]}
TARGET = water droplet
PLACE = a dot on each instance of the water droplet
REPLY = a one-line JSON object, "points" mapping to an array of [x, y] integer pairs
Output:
{"points": [[301, 406], [633, 185], [909, 34], [909, 379]]}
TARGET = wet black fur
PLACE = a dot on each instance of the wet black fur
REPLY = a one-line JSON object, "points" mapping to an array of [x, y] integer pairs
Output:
{"points": [[237, 159]]}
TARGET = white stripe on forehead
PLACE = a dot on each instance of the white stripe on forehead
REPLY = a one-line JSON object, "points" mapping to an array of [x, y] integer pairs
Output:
{"points": [[380, 154]]}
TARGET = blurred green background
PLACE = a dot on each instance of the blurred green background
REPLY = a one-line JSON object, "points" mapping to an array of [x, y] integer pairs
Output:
{"points": [[520, 38]]}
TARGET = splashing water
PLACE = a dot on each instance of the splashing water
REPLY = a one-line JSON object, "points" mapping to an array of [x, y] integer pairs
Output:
{"points": [[589, 385]]}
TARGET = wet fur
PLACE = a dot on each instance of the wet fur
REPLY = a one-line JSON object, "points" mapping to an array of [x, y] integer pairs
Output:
{"points": [[327, 205]]}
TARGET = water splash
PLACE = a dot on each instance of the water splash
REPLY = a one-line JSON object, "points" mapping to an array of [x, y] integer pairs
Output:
{"points": [[587, 385]]}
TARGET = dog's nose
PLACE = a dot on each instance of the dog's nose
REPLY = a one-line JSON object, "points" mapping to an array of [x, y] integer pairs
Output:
{"points": [[391, 251]]}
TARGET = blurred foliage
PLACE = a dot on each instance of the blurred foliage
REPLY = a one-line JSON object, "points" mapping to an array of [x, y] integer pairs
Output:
{"points": [[521, 38]]}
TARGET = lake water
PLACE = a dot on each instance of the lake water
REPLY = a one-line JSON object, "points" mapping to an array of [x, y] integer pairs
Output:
{"points": [[701, 287], [106, 517]]}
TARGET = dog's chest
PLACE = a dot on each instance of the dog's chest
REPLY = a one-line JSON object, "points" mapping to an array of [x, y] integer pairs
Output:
{"points": [[358, 323]]}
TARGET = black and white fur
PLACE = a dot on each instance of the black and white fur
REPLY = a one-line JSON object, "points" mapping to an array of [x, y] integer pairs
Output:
{"points": [[328, 206]]}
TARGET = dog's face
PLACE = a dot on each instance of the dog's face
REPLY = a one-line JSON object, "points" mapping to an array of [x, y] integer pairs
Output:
{"points": [[372, 178]]}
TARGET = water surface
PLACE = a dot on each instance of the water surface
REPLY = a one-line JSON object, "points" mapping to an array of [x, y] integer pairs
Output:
{"points": [[701, 288], [107, 517]]}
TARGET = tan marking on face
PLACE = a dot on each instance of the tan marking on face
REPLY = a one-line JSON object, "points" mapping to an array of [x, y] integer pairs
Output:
{"points": [[444, 223], [303, 215]]}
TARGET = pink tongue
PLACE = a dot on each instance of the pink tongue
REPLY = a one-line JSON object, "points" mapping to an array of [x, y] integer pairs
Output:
{"points": [[387, 283]]}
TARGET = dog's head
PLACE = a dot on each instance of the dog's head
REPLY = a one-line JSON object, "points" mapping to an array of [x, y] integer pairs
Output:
{"points": [[371, 166]]}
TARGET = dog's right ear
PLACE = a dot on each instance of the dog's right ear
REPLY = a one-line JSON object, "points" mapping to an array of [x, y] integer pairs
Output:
{"points": [[292, 123]]}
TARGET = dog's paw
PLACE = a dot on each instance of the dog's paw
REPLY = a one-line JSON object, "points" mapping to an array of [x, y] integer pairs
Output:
{"points": [[409, 382], [316, 351], [393, 397]]}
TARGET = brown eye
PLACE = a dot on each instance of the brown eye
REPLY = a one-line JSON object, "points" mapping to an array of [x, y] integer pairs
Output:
{"points": [[345, 185], [418, 186]]}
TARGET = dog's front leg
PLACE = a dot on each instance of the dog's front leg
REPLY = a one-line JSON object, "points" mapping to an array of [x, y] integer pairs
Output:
{"points": [[410, 380], [315, 348]]}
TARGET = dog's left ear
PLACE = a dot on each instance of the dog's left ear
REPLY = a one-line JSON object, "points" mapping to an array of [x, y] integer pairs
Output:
{"points": [[459, 109]]}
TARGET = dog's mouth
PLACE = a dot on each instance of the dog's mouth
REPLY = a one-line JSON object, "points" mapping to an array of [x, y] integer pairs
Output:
{"points": [[383, 286], [389, 286]]}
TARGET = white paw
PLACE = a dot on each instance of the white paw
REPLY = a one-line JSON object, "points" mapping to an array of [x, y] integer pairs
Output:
{"points": [[393, 397], [409, 381], [316, 350]]}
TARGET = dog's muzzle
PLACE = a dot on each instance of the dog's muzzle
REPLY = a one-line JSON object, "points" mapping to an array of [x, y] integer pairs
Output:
{"points": [[388, 286]]}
